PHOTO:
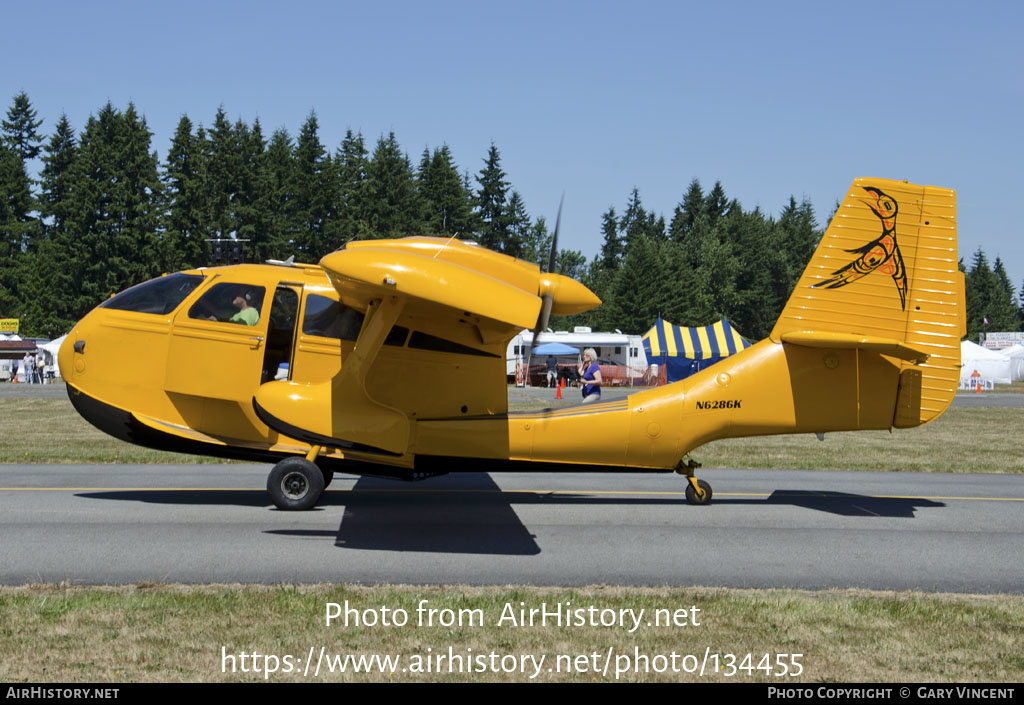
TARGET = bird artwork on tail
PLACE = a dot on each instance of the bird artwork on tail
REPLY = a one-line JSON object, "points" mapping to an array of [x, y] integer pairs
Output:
{"points": [[882, 253]]}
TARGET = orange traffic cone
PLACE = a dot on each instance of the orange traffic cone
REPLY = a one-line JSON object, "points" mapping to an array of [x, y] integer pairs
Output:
{"points": [[558, 391], [979, 387]]}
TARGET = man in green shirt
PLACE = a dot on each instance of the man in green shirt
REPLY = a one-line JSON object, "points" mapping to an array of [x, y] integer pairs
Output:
{"points": [[246, 313]]}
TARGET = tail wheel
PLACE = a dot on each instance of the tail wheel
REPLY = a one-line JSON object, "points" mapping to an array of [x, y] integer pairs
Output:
{"points": [[694, 497], [295, 484]]}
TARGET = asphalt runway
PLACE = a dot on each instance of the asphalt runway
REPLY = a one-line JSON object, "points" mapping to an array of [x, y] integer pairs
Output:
{"points": [[116, 524]]}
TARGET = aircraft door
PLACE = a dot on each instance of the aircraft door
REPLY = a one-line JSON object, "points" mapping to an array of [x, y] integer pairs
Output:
{"points": [[218, 344], [284, 312]]}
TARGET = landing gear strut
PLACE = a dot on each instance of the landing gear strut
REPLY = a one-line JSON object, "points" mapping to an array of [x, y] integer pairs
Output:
{"points": [[697, 491]]}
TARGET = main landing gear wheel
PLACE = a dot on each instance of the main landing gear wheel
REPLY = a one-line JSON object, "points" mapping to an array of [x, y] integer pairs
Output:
{"points": [[692, 495], [295, 484]]}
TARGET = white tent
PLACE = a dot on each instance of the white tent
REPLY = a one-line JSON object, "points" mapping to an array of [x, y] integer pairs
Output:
{"points": [[989, 365], [53, 347], [1016, 355]]}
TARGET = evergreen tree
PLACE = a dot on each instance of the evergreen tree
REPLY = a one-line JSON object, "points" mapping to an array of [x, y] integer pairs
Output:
{"points": [[639, 287], [19, 129], [222, 160], [315, 193], [1004, 307], [686, 212], [185, 229], [519, 230], [253, 206], [352, 162], [276, 167], [613, 249], [113, 210], [716, 204], [537, 247], [393, 201], [800, 236], [55, 177], [982, 293], [491, 204], [447, 205]]}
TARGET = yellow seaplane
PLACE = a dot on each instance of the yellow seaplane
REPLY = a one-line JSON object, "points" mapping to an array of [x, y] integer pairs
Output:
{"points": [[388, 358]]}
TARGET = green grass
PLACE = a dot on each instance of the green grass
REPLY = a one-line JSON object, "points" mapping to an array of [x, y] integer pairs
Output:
{"points": [[177, 633]]}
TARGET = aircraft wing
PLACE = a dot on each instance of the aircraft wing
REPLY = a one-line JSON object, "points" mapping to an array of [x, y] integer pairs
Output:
{"points": [[466, 298], [449, 276]]}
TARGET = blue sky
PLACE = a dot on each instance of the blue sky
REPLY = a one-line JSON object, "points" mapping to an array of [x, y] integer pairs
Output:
{"points": [[590, 98]]}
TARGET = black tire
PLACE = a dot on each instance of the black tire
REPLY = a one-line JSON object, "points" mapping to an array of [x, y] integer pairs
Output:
{"points": [[328, 476], [295, 484], [691, 494]]}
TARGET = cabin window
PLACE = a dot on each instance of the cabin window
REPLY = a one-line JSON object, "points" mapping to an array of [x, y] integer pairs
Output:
{"points": [[159, 296], [326, 318], [230, 303]]}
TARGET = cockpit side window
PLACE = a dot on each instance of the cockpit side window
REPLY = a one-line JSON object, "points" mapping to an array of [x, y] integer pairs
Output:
{"points": [[158, 296], [230, 302]]}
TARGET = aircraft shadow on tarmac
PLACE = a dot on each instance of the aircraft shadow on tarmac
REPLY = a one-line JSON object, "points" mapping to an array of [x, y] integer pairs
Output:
{"points": [[469, 513], [852, 505]]}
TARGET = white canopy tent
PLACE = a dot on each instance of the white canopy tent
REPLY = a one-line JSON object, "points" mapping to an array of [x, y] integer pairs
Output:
{"points": [[1016, 355], [989, 365], [52, 348]]}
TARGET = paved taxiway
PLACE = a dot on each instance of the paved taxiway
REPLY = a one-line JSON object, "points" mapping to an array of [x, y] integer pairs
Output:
{"points": [[213, 523]]}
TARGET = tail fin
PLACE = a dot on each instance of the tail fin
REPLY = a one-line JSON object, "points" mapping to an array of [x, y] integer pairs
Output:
{"points": [[886, 273]]}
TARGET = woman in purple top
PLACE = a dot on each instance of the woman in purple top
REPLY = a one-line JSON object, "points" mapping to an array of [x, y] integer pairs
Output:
{"points": [[591, 375]]}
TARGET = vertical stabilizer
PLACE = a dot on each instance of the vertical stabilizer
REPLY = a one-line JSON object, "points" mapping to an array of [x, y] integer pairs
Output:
{"points": [[887, 269]]}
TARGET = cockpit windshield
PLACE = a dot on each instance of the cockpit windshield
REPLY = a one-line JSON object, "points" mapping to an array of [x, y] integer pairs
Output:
{"points": [[159, 296]]}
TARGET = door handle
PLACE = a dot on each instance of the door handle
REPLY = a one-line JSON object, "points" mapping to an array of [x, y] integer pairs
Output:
{"points": [[256, 340]]}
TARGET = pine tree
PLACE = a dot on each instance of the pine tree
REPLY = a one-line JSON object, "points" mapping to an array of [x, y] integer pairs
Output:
{"points": [[1004, 307], [491, 203], [19, 129], [112, 217], [537, 247], [393, 200], [352, 162], [800, 236], [447, 204], [315, 193], [982, 294], [55, 177], [221, 168], [185, 228], [686, 212], [519, 229], [716, 204], [253, 206], [276, 167], [613, 249]]}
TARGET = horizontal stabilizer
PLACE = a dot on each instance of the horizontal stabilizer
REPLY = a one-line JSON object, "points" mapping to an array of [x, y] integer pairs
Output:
{"points": [[847, 341]]}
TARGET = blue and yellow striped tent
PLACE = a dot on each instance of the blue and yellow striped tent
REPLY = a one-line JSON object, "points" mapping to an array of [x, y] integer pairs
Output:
{"points": [[684, 351]]}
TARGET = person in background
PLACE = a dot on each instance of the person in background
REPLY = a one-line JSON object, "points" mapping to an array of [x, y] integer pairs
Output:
{"points": [[552, 364], [28, 364], [590, 375]]}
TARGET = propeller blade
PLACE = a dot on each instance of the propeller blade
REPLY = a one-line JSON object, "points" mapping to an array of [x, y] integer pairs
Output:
{"points": [[547, 300], [554, 238]]}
